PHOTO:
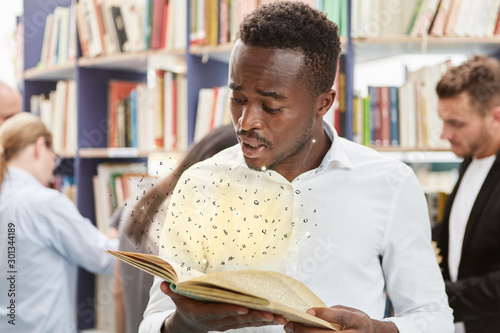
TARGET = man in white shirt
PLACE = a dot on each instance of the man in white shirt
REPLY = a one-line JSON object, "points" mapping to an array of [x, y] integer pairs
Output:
{"points": [[295, 198], [469, 235]]}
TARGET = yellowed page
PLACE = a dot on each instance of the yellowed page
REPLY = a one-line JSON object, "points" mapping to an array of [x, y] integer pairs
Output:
{"points": [[284, 295], [149, 263]]}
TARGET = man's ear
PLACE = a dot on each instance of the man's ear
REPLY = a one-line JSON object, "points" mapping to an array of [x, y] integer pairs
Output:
{"points": [[495, 112], [325, 101]]}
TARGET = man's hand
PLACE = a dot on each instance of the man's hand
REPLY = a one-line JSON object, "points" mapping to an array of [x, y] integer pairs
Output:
{"points": [[200, 317], [437, 252], [352, 320]]}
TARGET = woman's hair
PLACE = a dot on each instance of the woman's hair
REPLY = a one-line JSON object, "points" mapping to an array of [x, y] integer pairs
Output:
{"points": [[216, 140], [294, 25], [16, 133], [479, 77]]}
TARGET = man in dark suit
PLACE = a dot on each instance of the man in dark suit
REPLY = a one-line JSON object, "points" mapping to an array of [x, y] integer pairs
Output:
{"points": [[469, 235]]}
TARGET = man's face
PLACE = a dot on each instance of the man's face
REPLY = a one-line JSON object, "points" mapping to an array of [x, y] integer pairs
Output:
{"points": [[272, 109], [465, 128]]}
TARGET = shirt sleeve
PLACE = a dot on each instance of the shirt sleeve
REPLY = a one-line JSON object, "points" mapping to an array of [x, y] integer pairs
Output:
{"points": [[73, 236], [414, 281], [159, 308]]}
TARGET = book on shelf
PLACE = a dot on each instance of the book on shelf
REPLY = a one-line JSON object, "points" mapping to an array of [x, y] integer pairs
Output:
{"points": [[212, 111], [436, 203], [215, 22], [66, 185], [417, 18], [58, 112], [250, 288], [108, 27], [59, 37], [105, 190]]}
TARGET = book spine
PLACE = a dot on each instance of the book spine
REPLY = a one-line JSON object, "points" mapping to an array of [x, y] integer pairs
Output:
{"points": [[342, 96], [367, 134], [385, 119], [394, 103]]}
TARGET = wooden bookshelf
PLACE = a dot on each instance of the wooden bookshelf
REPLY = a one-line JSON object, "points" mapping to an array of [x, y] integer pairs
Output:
{"points": [[374, 48], [421, 156], [119, 152], [139, 62], [222, 52], [54, 73]]}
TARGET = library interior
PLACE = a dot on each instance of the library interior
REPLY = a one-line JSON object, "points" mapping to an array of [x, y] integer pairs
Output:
{"points": [[128, 87]]}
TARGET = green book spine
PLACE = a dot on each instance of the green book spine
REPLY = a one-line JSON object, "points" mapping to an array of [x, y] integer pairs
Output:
{"points": [[367, 135]]}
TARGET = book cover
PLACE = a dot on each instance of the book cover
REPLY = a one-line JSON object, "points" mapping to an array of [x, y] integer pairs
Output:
{"points": [[117, 91], [452, 18], [119, 26], [157, 18]]}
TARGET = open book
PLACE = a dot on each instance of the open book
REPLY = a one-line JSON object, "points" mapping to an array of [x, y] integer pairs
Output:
{"points": [[259, 290]]}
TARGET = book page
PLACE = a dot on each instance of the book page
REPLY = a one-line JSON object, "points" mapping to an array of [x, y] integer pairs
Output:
{"points": [[149, 263], [285, 296]]}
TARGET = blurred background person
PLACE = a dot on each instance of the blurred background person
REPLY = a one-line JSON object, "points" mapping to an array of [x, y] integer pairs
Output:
{"points": [[10, 102], [139, 224], [42, 233], [469, 235]]}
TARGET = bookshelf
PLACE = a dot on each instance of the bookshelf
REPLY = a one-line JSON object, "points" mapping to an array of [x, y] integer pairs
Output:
{"points": [[204, 66], [92, 76]]}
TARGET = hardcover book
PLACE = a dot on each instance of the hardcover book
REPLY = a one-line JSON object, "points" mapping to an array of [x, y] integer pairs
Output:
{"points": [[259, 290]]}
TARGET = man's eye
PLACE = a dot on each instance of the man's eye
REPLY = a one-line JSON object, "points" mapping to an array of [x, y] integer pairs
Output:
{"points": [[455, 124], [268, 109], [237, 100]]}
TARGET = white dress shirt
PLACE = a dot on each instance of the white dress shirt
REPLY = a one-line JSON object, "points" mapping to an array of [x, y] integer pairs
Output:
{"points": [[50, 239], [351, 229]]}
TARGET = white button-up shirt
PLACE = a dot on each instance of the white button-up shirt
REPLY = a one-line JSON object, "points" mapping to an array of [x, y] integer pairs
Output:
{"points": [[351, 230], [46, 238]]}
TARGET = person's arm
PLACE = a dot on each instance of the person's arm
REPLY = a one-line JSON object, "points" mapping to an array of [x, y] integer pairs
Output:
{"points": [[474, 297], [413, 279], [74, 236]]}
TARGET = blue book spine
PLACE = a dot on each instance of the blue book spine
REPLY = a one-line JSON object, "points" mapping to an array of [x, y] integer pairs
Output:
{"points": [[133, 119], [394, 115]]}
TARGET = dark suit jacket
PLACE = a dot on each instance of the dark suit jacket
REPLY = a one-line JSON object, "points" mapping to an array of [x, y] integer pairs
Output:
{"points": [[475, 297]]}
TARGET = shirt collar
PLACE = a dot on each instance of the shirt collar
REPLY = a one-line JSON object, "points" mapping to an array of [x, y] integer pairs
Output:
{"points": [[15, 173], [336, 156]]}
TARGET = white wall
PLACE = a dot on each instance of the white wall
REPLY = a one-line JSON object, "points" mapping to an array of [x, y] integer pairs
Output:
{"points": [[9, 11]]}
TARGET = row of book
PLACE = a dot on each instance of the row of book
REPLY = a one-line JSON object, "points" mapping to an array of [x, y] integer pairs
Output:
{"points": [[213, 110], [57, 111], [147, 117], [416, 18], [59, 38], [216, 22], [436, 203], [108, 27], [404, 116]]}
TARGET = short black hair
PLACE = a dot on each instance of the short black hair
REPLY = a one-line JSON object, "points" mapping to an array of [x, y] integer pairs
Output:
{"points": [[294, 25]]}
